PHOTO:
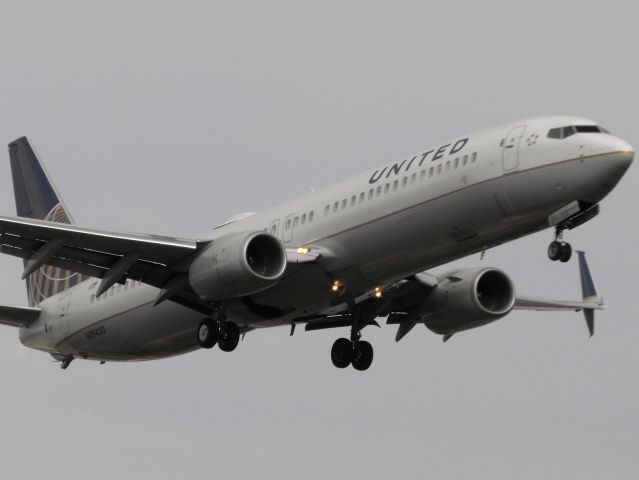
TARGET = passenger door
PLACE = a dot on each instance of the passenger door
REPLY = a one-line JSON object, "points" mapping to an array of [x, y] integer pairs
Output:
{"points": [[510, 150]]}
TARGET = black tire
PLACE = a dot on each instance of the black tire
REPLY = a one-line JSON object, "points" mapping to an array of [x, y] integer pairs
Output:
{"points": [[362, 356], [342, 353], [554, 250], [207, 333], [566, 252], [229, 337]]}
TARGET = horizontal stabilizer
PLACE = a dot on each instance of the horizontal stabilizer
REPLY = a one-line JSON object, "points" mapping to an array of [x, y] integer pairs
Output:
{"points": [[18, 316]]}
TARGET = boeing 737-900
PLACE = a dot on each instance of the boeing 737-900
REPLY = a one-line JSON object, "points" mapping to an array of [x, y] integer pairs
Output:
{"points": [[343, 256]]}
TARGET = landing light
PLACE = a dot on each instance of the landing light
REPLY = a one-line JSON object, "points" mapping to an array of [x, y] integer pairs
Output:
{"points": [[303, 250], [378, 292], [336, 285]]}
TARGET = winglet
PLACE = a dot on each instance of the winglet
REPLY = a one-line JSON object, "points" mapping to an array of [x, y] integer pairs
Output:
{"points": [[588, 288], [588, 291]]}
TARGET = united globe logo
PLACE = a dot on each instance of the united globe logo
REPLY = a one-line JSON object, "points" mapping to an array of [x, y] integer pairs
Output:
{"points": [[48, 280]]}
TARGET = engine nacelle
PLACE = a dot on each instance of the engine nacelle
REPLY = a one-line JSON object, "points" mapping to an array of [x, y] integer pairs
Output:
{"points": [[467, 299], [238, 264]]}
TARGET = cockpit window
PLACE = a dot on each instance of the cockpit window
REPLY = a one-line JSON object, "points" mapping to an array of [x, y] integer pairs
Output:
{"points": [[587, 129], [554, 133], [565, 132]]}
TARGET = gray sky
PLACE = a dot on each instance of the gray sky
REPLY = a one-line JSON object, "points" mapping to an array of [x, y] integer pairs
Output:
{"points": [[167, 117]]}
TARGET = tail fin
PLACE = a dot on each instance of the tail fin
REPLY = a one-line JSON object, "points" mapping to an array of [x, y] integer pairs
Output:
{"points": [[36, 197], [588, 291]]}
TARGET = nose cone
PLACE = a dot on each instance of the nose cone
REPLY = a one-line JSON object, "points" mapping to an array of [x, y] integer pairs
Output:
{"points": [[614, 159], [603, 144]]}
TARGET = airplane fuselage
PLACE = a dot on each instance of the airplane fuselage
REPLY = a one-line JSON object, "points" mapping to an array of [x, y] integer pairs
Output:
{"points": [[439, 205]]}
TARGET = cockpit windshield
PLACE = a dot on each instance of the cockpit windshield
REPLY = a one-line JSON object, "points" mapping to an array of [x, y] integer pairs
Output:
{"points": [[565, 132]]}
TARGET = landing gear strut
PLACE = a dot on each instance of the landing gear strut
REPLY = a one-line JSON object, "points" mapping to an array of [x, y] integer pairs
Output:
{"points": [[558, 249]]}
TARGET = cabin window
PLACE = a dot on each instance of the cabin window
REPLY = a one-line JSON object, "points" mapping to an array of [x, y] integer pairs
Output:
{"points": [[327, 209], [370, 194], [288, 224], [353, 200], [93, 298], [395, 185], [344, 202], [456, 164], [465, 159], [361, 197], [439, 169], [474, 159], [404, 181], [311, 214], [448, 165], [378, 191], [296, 221], [303, 219], [335, 207], [413, 177], [387, 188], [430, 171], [422, 175]]}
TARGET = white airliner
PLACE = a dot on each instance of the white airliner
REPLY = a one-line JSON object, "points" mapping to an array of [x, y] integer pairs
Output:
{"points": [[342, 256]]}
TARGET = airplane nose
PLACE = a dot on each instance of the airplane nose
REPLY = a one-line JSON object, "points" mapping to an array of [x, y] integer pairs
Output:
{"points": [[621, 150]]}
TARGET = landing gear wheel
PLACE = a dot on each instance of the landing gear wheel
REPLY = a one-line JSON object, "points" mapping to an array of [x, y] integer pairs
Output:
{"points": [[207, 333], [342, 353], [554, 250], [229, 337], [565, 252], [362, 355]]}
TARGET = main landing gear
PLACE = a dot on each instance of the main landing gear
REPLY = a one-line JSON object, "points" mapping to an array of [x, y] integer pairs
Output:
{"points": [[559, 249], [358, 353], [225, 334]]}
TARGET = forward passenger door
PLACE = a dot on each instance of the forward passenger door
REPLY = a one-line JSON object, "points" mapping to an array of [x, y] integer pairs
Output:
{"points": [[510, 149]]}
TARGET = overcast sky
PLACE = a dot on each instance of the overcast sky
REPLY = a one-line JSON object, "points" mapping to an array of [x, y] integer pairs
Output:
{"points": [[167, 117]]}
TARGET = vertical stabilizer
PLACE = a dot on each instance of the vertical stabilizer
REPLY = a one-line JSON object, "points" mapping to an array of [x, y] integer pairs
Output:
{"points": [[36, 197]]}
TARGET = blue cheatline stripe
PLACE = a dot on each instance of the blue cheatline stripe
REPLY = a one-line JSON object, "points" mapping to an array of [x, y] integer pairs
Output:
{"points": [[587, 284]]}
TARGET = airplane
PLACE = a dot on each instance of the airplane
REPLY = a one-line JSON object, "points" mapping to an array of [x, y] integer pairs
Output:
{"points": [[343, 256]]}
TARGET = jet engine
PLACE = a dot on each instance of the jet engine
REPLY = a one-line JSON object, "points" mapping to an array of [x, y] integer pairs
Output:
{"points": [[467, 299], [236, 265]]}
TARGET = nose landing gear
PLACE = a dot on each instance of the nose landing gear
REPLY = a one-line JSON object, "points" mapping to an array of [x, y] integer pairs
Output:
{"points": [[559, 249]]}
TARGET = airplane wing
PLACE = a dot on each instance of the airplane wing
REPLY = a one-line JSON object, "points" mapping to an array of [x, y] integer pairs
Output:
{"points": [[159, 261], [543, 305], [591, 299]]}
